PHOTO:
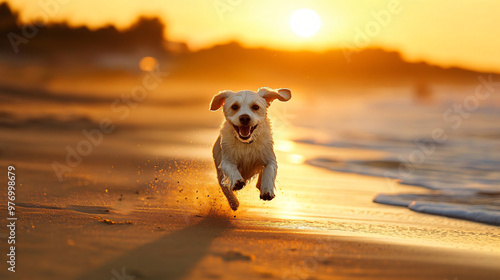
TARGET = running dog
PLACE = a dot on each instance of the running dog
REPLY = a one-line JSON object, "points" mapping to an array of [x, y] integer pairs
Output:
{"points": [[244, 147]]}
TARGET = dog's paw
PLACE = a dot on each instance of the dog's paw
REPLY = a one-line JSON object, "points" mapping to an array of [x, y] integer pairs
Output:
{"points": [[239, 185], [234, 205], [267, 196]]}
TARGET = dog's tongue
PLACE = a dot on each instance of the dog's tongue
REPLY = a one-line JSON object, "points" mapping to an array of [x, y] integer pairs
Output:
{"points": [[245, 130]]}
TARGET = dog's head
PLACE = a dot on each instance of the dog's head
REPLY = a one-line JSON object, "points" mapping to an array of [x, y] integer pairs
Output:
{"points": [[246, 110]]}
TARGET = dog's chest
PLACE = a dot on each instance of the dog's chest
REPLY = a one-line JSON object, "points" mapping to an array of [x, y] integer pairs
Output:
{"points": [[247, 153], [250, 158]]}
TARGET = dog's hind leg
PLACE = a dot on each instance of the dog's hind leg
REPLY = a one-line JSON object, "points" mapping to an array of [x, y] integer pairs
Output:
{"points": [[230, 196]]}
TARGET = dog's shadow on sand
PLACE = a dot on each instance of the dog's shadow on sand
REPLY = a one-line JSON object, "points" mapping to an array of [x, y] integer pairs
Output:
{"points": [[170, 257]]}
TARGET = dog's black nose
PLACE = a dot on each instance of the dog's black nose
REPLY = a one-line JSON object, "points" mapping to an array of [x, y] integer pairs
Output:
{"points": [[245, 119]]}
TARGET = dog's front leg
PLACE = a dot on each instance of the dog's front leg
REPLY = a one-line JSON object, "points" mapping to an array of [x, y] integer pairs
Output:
{"points": [[267, 178], [236, 181]]}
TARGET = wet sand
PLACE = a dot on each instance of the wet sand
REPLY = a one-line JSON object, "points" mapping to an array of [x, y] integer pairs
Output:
{"points": [[157, 246]]}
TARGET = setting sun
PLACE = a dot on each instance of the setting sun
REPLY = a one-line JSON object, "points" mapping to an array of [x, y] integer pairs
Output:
{"points": [[305, 22]]}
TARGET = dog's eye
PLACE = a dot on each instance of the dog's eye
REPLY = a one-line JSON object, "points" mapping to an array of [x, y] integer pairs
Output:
{"points": [[255, 107], [235, 107]]}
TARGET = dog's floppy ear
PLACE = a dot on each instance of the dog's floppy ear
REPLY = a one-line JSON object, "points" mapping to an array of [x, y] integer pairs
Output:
{"points": [[219, 99], [282, 94]]}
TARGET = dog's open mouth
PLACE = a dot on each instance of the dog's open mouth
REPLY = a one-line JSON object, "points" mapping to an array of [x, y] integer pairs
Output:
{"points": [[244, 131]]}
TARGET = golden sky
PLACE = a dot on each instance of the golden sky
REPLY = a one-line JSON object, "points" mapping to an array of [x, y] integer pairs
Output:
{"points": [[444, 32]]}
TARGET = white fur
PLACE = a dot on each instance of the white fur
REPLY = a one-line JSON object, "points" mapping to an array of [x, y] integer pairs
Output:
{"points": [[238, 160]]}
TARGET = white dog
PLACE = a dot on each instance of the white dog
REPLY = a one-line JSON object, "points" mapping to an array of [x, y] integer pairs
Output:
{"points": [[245, 144]]}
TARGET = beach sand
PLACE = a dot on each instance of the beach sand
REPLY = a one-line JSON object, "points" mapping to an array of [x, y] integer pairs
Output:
{"points": [[141, 207]]}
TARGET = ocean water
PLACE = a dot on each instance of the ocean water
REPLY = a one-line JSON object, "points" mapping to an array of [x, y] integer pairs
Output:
{"points": [[447, 142]]}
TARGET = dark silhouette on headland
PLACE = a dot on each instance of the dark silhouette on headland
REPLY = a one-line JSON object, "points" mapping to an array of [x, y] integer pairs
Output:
{"points": [[145, 35], [234, 61], [60, 45]]}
